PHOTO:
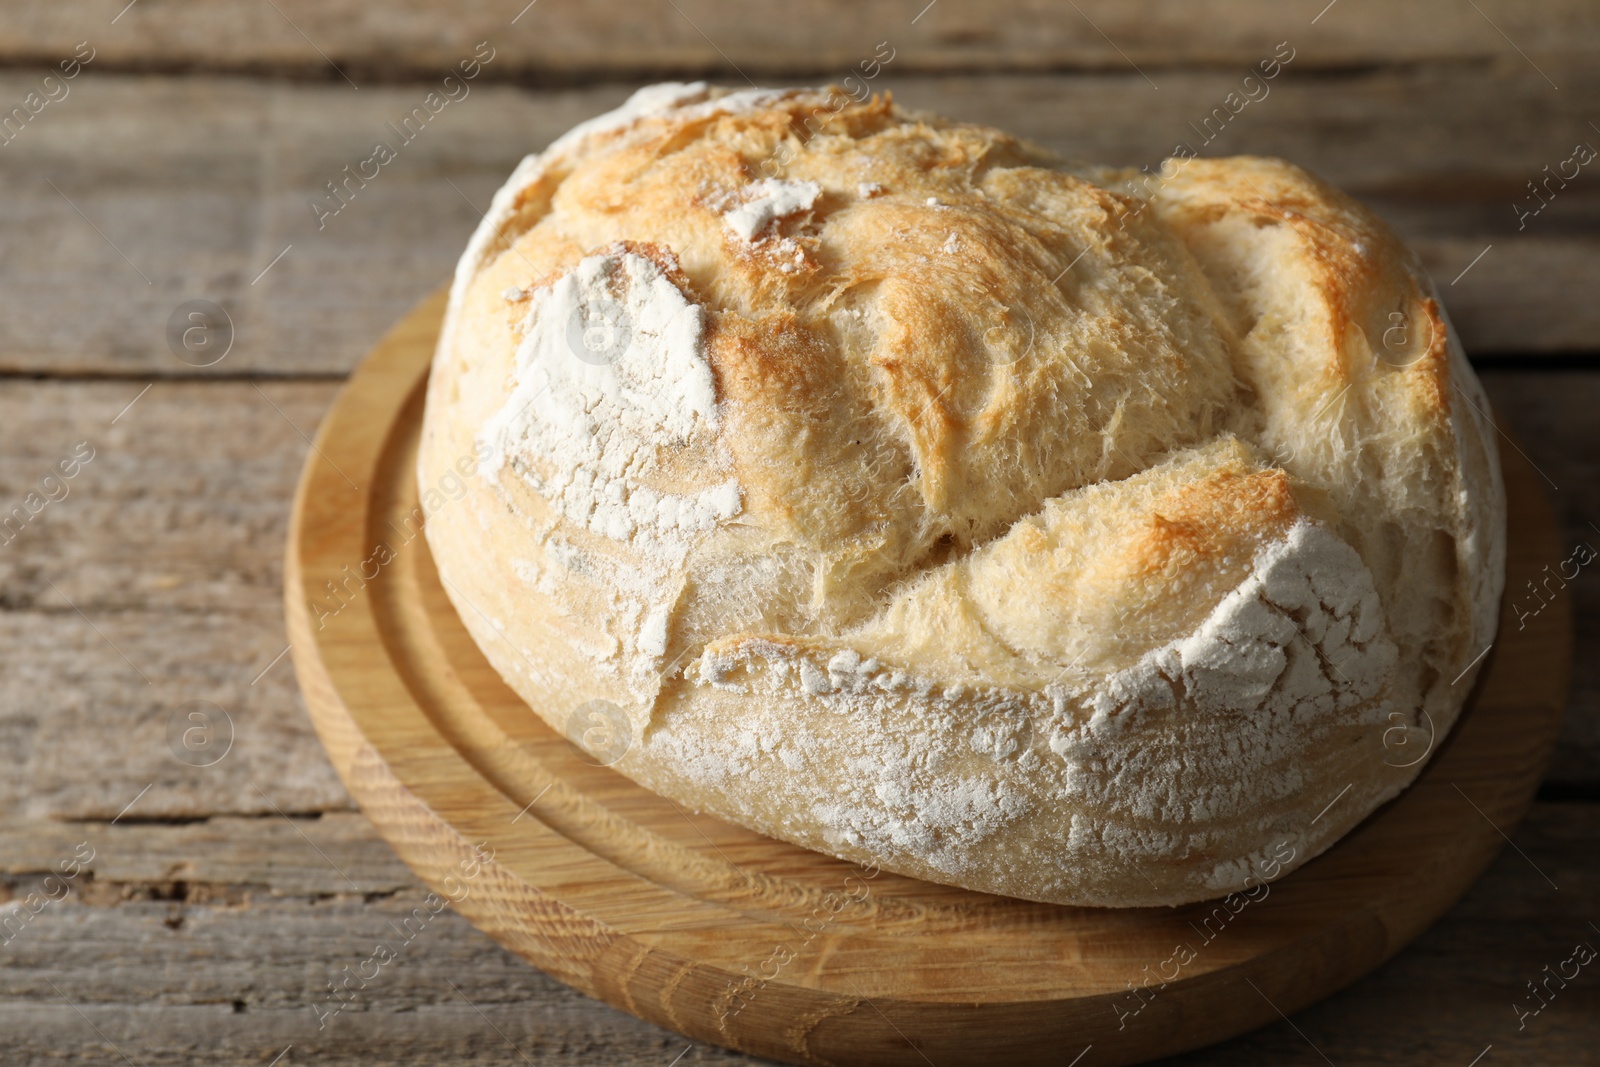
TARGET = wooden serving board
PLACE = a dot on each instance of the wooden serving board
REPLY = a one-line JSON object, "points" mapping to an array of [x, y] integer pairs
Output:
{"points": [[735, 939]]}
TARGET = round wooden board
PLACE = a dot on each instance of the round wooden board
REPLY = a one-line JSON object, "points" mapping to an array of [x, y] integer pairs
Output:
{"points": [[735, 939]]}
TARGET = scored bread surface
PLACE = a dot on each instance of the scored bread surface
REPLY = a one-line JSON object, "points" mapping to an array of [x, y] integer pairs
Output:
{"points": [[919, 497]]}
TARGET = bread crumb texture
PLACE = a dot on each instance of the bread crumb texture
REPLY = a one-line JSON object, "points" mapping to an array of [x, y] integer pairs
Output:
{"points": [[920, 497]]}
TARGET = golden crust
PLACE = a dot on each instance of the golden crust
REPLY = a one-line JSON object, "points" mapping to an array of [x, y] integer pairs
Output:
{"points": [[1048, 534]]}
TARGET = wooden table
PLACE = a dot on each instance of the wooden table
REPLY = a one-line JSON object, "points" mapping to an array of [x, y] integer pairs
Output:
{"points": [[203, 909]]}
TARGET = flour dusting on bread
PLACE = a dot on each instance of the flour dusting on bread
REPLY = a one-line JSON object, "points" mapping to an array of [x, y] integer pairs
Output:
{"points": [[1301, 637], [611, 368], [766, 201]]}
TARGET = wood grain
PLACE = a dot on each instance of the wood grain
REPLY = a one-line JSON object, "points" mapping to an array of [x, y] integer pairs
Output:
{"points": [[170, 542], [219, 856], [569, 39], [193, 188], [172, 974], [627, 897]]}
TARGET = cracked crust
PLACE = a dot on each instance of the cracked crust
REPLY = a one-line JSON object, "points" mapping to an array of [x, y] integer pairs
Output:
{"points": [[1055, 533]]}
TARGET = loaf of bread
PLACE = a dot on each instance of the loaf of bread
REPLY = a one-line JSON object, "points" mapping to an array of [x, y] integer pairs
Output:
{"points": [[895, 488]]}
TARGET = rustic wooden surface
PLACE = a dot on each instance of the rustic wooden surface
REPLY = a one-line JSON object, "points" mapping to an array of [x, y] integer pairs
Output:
{"points": [[225, 898], [566, 40], [197, 184]]}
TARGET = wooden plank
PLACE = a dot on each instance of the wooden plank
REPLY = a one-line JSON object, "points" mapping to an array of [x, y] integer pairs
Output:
{"points": [[194, 188], [199, 188], [170, 541], [326, 855], [179, 982], [175, 977], [565, 39]]}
